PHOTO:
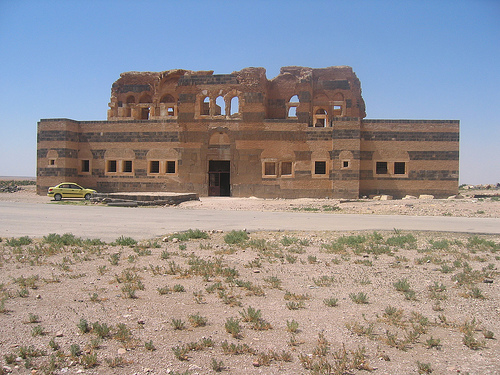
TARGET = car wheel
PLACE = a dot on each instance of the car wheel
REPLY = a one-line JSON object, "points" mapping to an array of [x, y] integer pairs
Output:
{"points": [[58, 197], [87, 196]]}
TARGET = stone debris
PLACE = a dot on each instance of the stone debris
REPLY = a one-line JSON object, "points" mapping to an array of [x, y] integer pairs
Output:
{"points": [[426, 196]]}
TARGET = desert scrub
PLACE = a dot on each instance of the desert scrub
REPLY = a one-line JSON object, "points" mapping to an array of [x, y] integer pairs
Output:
{"points": [[83, 326], [359, 298], [236, 237], [424, 368], [273, 281], [125, 241], [114, 259], [324, 280], [190, 234], [197, 320], [149, 345], [236, 349], [292, 326], [37, 331], [331, 302], [360, 329], [17, 242], [402, 241], [181, 352], [75, 350], [33, 318], [292, 305], [217, 366], [233, 327], [122, 333], [177, 324], [101, 330], [250, 314], [402, 285]]}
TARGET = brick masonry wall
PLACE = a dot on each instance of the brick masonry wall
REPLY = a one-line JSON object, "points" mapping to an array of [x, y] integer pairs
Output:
{"points": [[429, 149], [346, 150]]}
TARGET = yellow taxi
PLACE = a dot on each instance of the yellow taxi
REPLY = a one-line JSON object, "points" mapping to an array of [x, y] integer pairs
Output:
{"points": [[69, 190]]}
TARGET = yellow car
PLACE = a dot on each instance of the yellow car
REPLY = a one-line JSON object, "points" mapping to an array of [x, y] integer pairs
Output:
{"points": [[69, 190]]}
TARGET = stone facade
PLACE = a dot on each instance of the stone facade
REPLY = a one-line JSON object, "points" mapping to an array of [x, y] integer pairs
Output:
{"points": [[301, 134]]}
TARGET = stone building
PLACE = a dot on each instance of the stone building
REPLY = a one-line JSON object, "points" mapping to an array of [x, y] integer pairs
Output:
{"points": [[300, 134]]}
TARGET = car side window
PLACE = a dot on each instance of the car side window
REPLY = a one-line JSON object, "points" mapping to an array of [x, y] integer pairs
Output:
{"points": [[75, 187], [65, 186]]}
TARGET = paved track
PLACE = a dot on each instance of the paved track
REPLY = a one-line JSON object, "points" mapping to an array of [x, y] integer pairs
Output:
{"points": [[109, 223]]}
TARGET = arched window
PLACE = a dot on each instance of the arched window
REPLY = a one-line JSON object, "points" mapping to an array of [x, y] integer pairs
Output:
{"points": [[292, 105], [167, 99], [145, 99], [235, 106], [220, 106], [130, 99], [320, 118], [167, 105], [205, 106]]}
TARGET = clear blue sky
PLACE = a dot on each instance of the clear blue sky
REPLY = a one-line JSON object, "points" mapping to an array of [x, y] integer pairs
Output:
{"points": [[437, 59]]}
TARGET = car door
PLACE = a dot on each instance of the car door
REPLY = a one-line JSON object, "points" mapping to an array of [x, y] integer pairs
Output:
{"points": [[76, 191]]}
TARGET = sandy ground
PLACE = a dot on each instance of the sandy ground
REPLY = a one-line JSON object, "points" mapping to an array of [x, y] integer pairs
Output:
{"points": [[185, 298]]}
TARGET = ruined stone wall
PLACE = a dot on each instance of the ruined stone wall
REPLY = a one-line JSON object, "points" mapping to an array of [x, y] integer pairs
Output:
{"points": [[301, 134]]}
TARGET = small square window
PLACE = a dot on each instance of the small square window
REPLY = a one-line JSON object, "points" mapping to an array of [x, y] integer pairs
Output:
{"points": [[269, 168], [170, 166], [381, 167], [154, 166], [127, 166], [286, 168], [320, 167], [85, 165], [52, 162], [111, 165], [399, 168], [345, 164]]}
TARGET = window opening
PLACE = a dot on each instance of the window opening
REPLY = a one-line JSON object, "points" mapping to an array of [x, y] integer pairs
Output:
{"points": [[154, 166], [205, 106], [399, 167], [220, 106], [127, 166], [85, 165], [269, 168], [381, 167], [320, 167], [170, 166], [52, 162], [145, 113], [235, 106], [170, 111], [294, 99], [320, 118], [292, 112], [286, 168], [345, 164], [111, 165], [337, 110]]}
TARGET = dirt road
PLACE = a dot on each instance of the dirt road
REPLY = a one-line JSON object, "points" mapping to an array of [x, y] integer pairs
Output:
{"points": [[108, 223]]}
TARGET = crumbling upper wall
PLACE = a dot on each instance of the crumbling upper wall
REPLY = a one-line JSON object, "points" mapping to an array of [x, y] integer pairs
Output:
{"points": [[313, 96]]}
